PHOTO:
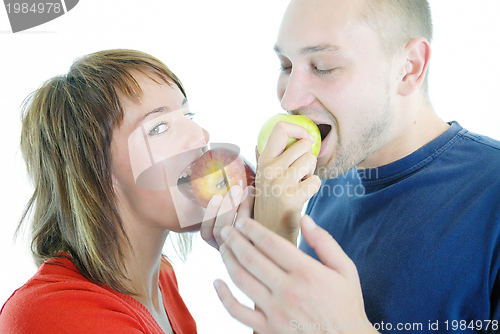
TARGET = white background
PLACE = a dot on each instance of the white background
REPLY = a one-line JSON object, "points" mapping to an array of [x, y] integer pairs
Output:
{"points": [[222, 52]]}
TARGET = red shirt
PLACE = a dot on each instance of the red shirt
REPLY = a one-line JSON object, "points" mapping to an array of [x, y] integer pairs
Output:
{"points": [[58, 299]]}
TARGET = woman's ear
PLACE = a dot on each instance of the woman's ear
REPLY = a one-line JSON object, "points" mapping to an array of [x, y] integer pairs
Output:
{"points": [[416, 57]]}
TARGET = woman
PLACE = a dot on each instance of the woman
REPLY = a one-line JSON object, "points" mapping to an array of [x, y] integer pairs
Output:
{"points": [[101, 213]]}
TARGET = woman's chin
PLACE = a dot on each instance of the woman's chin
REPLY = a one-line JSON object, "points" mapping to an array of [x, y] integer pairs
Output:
{"points": [[186, 229]]}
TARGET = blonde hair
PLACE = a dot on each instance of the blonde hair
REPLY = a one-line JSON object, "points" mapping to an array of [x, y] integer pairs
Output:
{"points": [[398, 22], [67, 126]]}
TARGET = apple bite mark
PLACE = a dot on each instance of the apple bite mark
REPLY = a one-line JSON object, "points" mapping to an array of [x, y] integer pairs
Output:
{"points": [[216, 172]]}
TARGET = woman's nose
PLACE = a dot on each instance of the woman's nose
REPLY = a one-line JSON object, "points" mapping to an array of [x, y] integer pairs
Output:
{"points": [[195, 135]]}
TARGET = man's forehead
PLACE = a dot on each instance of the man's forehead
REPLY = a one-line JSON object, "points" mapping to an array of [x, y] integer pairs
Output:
{"points": [[309, 25], [325, 13]]}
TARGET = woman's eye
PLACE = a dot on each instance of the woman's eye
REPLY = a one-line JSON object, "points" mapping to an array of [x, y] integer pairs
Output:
{"points": [[285, 69], [190, 115], [158, 129]]}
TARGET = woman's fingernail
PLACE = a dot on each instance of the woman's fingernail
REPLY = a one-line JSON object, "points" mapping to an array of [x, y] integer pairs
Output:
{"points": [[222, 249], [224, 232], [235, 191], [311, 137], [216, 200], [250, 191], [239, 223]]}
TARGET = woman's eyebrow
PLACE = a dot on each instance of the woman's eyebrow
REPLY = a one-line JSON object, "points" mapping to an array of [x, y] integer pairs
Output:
{"points": [[163, 109], [157, 110]]}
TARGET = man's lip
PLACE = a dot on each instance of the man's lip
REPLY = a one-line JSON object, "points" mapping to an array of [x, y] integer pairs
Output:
{"points": [[325, 140], [318, 121]]}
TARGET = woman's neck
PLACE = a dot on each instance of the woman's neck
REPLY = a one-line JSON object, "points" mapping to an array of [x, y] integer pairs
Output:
{"points": [[142, 260]]}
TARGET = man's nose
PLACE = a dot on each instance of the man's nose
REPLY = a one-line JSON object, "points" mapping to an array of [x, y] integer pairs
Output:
{"points": [[295, 91]]}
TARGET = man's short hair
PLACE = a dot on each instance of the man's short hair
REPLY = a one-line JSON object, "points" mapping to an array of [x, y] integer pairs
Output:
{"points": [[398, 21]]}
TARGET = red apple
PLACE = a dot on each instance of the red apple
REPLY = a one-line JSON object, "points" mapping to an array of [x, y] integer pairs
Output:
{"points": [[217, 171]]}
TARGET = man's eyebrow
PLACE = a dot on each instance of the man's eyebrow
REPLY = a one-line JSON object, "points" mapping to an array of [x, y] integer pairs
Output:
{"points": [[319, 48], [313, 49]]}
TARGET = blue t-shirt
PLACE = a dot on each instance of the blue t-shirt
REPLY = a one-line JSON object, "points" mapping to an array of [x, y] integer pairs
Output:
{"points": [[424, 233]]}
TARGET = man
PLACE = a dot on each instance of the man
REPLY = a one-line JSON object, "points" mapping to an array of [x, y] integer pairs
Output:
{"points": [[413, 201]]}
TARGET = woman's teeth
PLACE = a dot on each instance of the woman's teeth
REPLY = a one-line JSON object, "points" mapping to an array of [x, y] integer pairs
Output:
{"points": [[186, 174]]}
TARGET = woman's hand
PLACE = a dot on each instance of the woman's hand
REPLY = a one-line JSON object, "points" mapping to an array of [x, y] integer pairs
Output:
{"points": [[291, 290], [284, 181], [221, 211]]}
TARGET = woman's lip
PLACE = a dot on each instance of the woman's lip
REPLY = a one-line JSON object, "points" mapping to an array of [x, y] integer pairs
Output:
{"points": [[188, 167], [191, 164]]}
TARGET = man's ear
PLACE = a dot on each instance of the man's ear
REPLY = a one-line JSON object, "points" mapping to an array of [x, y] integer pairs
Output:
{"points": [[416, 57]]}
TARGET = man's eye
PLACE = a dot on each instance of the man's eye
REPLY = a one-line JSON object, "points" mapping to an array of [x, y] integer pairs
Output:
{"points": [[190, 115], [158, 129], [323, 72]]}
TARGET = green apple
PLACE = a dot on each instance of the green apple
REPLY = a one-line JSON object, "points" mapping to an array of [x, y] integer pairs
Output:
{"points": [[303, 121]]}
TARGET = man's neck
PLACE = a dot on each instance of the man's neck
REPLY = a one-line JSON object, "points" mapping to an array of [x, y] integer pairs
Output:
{"points": [[409, 136]]}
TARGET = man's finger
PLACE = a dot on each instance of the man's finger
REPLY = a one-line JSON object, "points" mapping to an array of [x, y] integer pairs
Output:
{"points": [[251, 259], [273, 247], [252, 318], [257, 154], [243, 279], [246, 207], [301, 167], [309, 187], [327, 249], [278, 138]]}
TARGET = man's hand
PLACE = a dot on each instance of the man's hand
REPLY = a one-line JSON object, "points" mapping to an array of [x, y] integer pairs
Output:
{"points": [[221, 211], [284, 181], [289, 287]]}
